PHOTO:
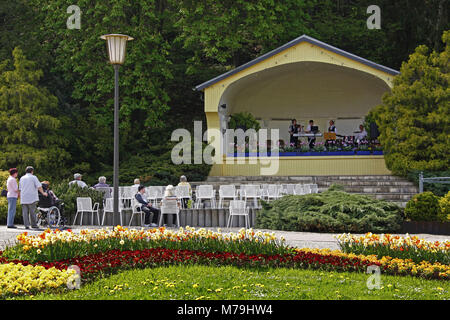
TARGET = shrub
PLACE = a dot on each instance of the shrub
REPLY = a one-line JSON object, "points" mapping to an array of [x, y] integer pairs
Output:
{"points": [[413, 119], [4, 202], [444, 204], [331, 211], [423, 207], [336, 187], [69, 195], [244, 120]]}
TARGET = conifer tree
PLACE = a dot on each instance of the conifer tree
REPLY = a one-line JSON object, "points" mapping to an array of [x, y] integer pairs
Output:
{"points": [[414, 119], [28, 130]]}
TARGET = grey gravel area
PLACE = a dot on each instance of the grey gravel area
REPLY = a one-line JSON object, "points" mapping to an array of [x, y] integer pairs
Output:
{"points": [[295, 239]]}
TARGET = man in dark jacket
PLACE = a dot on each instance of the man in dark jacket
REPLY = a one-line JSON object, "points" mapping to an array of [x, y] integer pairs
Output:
{"points": [[147, 207]]}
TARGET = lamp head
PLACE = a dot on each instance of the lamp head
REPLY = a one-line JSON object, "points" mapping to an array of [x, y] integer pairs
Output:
{"points": [[116, 44]]}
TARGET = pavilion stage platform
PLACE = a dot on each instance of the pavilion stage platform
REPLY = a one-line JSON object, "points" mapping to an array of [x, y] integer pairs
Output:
{"points": [[361, 165]]}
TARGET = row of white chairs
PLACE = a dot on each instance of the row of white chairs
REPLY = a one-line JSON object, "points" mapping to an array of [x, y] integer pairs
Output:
{"points": [[153, 193], [203, 193], [169, 206], [84, 205], [253, 193]]}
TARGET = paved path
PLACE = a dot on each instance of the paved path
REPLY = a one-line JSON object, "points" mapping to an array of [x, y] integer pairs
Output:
{"points": [[296, 239]]}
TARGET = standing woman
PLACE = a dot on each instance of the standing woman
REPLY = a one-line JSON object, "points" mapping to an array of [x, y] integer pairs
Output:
{"points": [[332, 127], [12, 196]]}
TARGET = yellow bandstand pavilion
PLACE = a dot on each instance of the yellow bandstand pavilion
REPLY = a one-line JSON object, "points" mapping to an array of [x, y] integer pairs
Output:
{"points": [[305, 79]]}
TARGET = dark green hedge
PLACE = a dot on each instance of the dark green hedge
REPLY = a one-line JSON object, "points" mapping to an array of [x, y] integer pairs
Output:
{"points": [[331, 211]]}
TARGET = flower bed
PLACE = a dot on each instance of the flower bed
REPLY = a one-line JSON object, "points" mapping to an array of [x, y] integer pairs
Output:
{"points": [[18, 278], [109, 262], [395, 246], [35, 263], [57, 245]]}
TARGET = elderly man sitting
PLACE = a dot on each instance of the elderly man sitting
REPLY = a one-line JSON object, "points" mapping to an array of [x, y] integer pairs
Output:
{"points": [[77, 180], [147, 208]]}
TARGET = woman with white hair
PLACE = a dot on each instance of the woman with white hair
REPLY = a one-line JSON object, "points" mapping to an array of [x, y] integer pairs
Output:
{"points": [[101, 183], [169, 195], [137, 183]]}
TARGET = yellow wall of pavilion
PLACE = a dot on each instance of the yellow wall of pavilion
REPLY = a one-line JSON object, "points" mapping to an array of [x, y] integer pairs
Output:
{"points": [[310, 166]]}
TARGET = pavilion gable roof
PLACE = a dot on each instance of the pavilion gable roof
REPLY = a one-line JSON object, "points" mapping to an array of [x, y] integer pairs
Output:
{"points": [[303, 38]]}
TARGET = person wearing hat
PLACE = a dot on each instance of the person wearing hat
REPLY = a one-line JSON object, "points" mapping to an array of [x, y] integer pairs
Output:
{"points": [[12, 196], [147, 208], [29, 187], [77, 180]]}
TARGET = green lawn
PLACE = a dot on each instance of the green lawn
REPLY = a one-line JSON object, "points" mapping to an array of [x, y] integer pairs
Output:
{"points": [[226, 283]]}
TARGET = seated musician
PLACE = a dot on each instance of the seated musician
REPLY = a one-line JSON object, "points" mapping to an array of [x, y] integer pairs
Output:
{"points": [[361, 134]]}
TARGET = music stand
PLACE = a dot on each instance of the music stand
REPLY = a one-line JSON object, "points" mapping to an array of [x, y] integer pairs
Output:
{"points": [[329, 136]]}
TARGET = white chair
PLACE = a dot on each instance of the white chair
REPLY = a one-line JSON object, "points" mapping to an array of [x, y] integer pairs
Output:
{"points": [[288, 188], [273, 192], [264, 191], [85, 205], [170, 206], [238, 208], [250, 191], [107, 193], [182, 192], [205, 192], [136, 207], [301, 189], [226, 192], [109, 208], [314, 188], [126, 196], [126, 193], [154, 194]]}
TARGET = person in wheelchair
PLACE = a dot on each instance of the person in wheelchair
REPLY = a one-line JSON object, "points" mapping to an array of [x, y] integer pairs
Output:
{"points": [[51, 201]]}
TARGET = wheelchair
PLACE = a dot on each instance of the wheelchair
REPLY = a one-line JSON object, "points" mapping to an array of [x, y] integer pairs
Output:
{"points": [[49, 217]]}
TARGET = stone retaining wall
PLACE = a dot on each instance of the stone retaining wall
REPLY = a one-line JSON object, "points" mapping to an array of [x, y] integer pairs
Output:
{"points": [[188, 217]]}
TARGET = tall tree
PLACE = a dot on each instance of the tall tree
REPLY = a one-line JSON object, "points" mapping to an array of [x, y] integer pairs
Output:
{"points": [[28, 129], [233, 32], [80, 56], [414, 119]]}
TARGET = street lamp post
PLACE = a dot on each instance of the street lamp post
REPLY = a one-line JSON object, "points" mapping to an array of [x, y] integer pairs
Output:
{"points": [[116, 44]]}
